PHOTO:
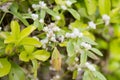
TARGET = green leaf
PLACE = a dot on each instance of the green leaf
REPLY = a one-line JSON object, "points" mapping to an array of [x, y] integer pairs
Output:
{"points": [[91, 6], [70, 48], [88, 40], [25, 56], [56, 59], [104, 6], [15, 28], [29, 48], [51, 12], [35, 67], [59, 2], [99, 75], [16, 73], [74, 13], [96, 51], [5, 67], [41, 55], [83, 58], [10, 39], [75, 73], [27, 31], [30, 41], [38, 25], [91, 55]]}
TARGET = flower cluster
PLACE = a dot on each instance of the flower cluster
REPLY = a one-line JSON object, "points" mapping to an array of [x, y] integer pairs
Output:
{"points": [[40, 5], [90, 66], [92, 25], [76, 33], [86, 45], [68, 3], [106, 19]]}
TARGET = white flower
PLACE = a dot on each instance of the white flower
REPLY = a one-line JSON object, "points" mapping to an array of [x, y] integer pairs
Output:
{"points": [[86, 45], [45, 29], [53, 39], [68, 3], [61, 38], [57, 76], [5, 7], [76, 58], [79, 69], [64, 7], [44, 41], [92, 25], [57, 17], [68, 35], [90, 66], [34, 16], [106, 18], [77, 33], [50, 34], [56, 28], [42, 4], [0, 28], [35, 6], [41, 21]]}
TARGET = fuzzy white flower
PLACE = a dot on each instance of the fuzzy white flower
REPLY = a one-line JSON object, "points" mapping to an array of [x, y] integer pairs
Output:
{"points": [[68, 35], [61, 38], [64, 7], [56, 28], [34, 16], [92, 25], [0, 28], [106, 18], [68, 3], [42, 4], [77, 33], [58, 17], [35, 6], [41, 21], [76, 59], [53, 39], [79, 69], [57, 76], [86, 45], [45, 29], [5, 7], [90, 66], [44, 41]]}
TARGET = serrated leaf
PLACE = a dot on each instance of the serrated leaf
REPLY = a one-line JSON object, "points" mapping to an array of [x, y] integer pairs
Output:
{"points": [[15, 29], [83, 58], [70, 48], [27, 31], [30, 41], [41, 55], [74, 13], [5, 67], [96, 51], [99, 75], [91, 6], [16, 73], [56, 59], [104, 6]]}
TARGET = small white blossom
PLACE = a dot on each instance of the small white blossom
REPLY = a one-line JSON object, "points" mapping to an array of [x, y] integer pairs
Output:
{"points": [[79, 69], [57, 76], [45, 29], [53, 39], [58, 17], [44, 41], [0, 28], [68, 3], [106, 18], [61, 38], [76, 59], [86, 45], [92, 25], [64, 7], [41, 21], [56, 28], [34, 16], [42, 4], [35, 6], [90, 66], [68, 35], [50, 34], [5, 7]]}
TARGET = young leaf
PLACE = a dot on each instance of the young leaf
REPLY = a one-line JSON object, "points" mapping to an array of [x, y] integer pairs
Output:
{"points": [[70, 48], [15, 28], [83, 58], [41, 55], [91, 6], [10, 39], [74, 13], [5, 67], [27, 31], [30, 41], [56, 59], [104, 6], [16, 72], [51, 12], [96, 51], [91, 55], [75, 73], [88, 40], [99, 75]]}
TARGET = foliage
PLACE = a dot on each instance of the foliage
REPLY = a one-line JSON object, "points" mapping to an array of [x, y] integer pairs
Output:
{"points": [[62, 35]]}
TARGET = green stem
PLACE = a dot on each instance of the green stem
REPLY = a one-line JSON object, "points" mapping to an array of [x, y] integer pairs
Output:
{"points": [[2, 17]]}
